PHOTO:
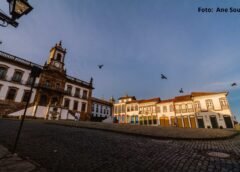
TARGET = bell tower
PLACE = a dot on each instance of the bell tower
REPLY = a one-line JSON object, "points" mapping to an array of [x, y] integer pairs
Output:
{"points": [[56, 57]]}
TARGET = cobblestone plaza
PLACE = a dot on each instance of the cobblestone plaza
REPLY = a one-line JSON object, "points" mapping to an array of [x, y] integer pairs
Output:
{"points": [[59, 148]]}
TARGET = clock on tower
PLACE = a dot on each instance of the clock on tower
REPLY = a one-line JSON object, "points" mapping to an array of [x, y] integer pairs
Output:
{"points": [[56, 57]]}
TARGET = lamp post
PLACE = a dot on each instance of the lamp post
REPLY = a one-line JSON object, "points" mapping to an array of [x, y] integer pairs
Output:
{"points": [[17, 8], [35, 72]]}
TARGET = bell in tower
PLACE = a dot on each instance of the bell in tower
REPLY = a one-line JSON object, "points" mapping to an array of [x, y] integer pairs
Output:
{"points": [[56, 57]]}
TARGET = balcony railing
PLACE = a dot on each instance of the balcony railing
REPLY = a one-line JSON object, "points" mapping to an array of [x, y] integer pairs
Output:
{"points": [[84, 97], [184, 110], [197, 109], [224, 106], [77, 95], [67, 92], [79, 81], [18, 59], [178, 111], [210, 108], [12, 79], [46, 86]]}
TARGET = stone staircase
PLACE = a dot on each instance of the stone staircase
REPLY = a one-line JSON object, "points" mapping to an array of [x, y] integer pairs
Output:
{"points": [[7, 107], [73, 114]]}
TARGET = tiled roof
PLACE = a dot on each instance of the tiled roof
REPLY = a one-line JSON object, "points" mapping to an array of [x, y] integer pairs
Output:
{"points": [[94, 99], [175, 99], [183, 98], [157, 99], [127, 97], [194, 94], [166, 101], [133, 101]]}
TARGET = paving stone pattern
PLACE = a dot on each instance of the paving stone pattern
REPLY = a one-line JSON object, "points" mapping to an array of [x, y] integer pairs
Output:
{"points": [[152, 131], [59, 148]]}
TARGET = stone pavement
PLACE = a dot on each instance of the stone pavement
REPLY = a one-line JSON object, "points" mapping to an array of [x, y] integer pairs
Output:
{"points": [[12, 163], [156, 132], [63, 149]]}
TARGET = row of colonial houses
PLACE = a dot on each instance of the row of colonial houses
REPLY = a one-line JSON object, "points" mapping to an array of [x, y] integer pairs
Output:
{"points": [[196, 110]]}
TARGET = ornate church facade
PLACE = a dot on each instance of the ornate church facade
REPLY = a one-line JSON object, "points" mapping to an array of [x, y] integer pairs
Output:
{"points": [[55, 95]]}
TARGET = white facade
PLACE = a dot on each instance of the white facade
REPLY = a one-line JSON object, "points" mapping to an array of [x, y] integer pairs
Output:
{"points": [[21, 86], [101, 108], [51, 97]]}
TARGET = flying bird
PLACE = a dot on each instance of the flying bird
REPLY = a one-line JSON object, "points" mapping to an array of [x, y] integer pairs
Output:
{"points": [[163, 76], [100, 66], [0, 42], [181, 90], [234, 84]]}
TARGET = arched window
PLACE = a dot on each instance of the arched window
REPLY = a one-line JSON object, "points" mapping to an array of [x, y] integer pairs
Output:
{"points": [[3, 72], [59, 57]]}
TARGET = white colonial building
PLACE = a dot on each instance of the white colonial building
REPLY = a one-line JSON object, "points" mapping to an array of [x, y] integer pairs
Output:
{"points": [[55, 94], [101, 108], [197, 110]]}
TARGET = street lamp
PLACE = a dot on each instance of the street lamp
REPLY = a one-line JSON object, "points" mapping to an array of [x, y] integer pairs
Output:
{"points": [[17, 8], [35, 72]]}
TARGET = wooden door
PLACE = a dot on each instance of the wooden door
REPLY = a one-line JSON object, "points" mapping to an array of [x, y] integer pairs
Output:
{"points": [[228, 121], [214, 122], [186, 122], [154, 120], [179, 122], [149, 120], [200, 123], [193, 122], [166, 122], [162, 121], [172, 121]]}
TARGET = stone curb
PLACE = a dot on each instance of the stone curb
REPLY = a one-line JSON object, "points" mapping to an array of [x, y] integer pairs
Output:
{"points": [[99, 126], [13, 163], [143, 134]]}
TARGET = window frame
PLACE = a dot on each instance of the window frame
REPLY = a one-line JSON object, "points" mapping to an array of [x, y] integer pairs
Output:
{"points": [[23, 96], [66, 100], [75, 105], [3, 77], [210, 101], [83, 105], [16, 78], [13, 88]]}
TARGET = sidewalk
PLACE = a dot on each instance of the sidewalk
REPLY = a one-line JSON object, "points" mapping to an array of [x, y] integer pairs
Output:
{"points": [[156, 132], [13, 163]]}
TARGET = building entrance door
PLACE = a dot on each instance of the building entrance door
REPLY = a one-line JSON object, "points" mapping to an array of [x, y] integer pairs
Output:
{"points": [[193, 122], [213, 120], [186, 122], [164, 121], [179, 122], [228, 121], [200, 123]]}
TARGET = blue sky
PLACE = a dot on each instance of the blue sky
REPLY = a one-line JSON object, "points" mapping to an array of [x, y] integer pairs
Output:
{"points": [[136, 40]]}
